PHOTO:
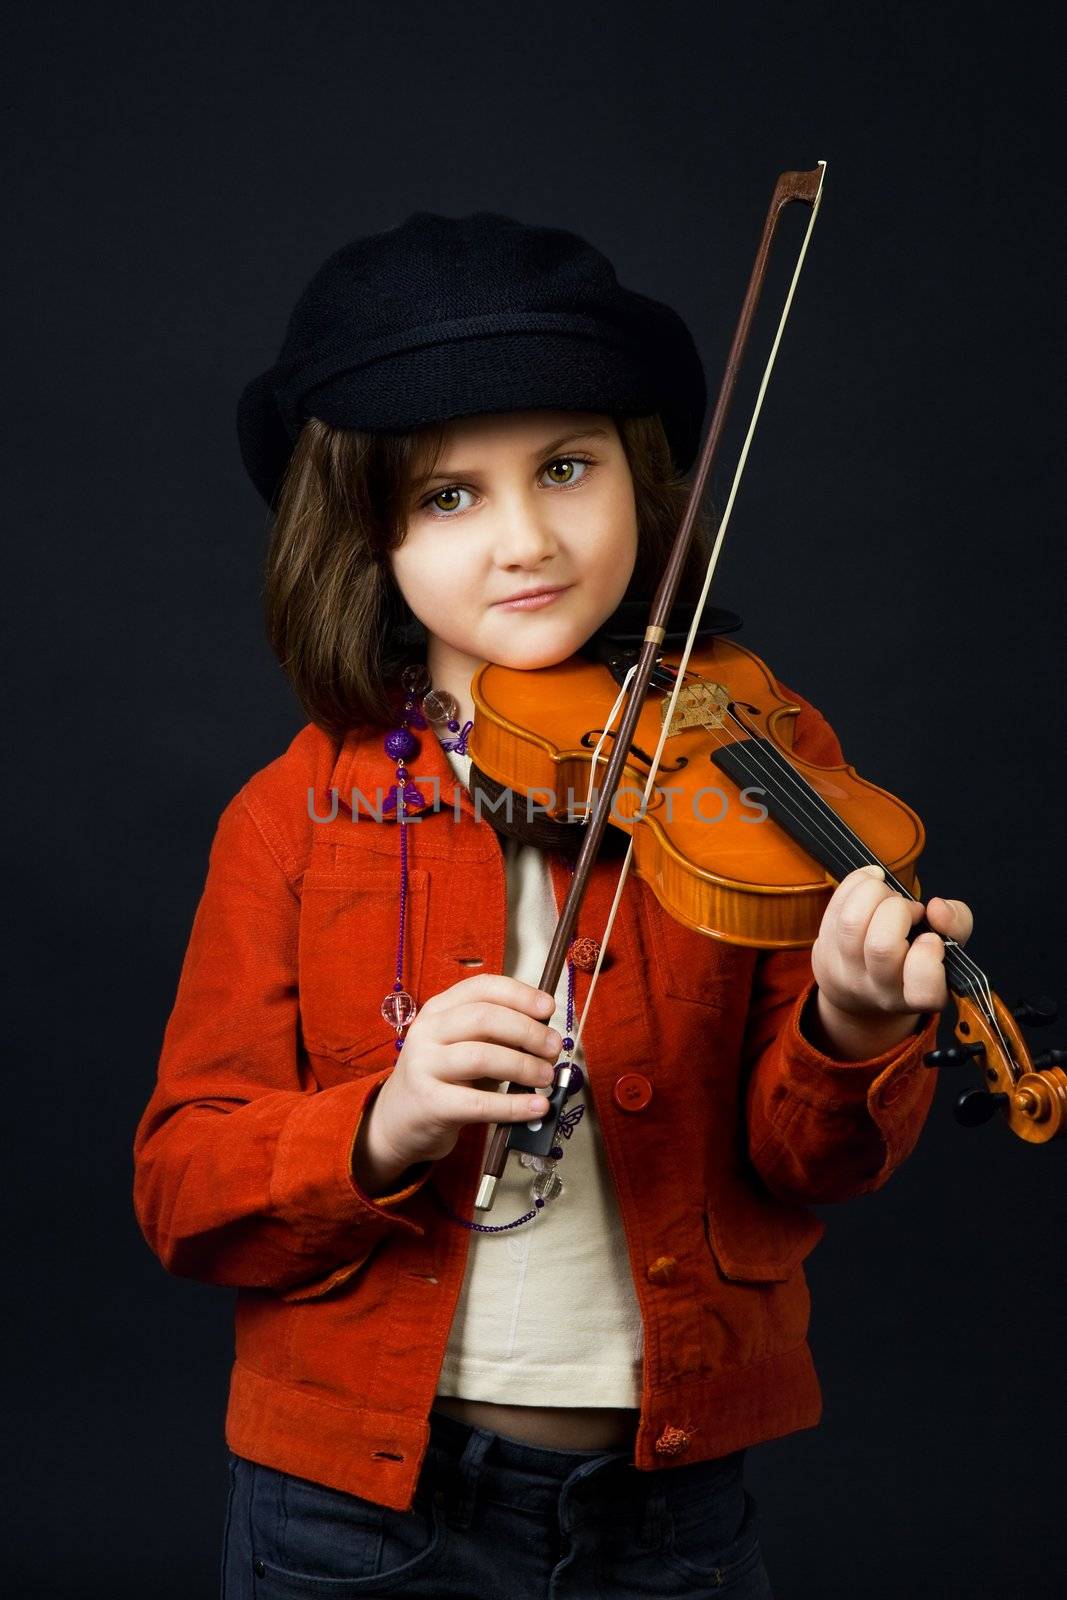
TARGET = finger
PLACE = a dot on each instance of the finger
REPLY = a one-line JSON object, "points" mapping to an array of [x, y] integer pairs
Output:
{"points": [[497, 1024], [849, 913], [474, 1060], [498, 988], [951, 918], [886, 943], [490, 1105], [923, 977], [871, 873]]}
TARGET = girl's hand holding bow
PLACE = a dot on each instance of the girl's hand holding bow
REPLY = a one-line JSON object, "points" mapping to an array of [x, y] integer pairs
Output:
{"points": [[873, 986]]}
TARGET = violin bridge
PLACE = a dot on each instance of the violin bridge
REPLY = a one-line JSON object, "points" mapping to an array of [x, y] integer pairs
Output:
{"points": [[700, 705]]}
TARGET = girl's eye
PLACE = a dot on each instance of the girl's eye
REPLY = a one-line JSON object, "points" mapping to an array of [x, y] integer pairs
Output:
{"points": [[569, 464], [449, 493], [563, 472]]}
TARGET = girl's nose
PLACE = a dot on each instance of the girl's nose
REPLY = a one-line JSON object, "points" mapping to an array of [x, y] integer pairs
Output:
{"points": [[524, 533]]}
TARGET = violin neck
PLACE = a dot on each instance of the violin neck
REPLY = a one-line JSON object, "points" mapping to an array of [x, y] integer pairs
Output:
{"points": [[757, 765], [754, 763]]}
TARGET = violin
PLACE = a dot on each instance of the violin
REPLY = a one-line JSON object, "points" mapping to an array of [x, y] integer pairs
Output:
{"points": [[703, 848], [757, 863], [712, 719]]}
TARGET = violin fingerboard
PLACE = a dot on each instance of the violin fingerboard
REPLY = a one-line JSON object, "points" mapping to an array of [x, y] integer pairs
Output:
{"points": [[756, 765]]}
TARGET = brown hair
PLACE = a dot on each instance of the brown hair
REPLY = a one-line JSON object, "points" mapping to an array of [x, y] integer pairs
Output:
{"points": [[335, 617]]}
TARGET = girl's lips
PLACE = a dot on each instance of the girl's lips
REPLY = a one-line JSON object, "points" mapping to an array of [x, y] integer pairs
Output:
{"points": [[531, 602]]}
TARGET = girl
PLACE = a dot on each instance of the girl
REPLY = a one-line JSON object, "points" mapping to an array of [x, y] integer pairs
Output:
{"points": [[475, 442]]}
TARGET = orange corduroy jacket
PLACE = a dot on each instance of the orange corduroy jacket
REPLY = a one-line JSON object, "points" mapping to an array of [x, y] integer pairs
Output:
{"points": [[276, 1044]]}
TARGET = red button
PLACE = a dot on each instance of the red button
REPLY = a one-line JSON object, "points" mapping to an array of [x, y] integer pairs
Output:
{"points": [[662, 1270], [673, 1441], [585, 953], [632, 1092]]}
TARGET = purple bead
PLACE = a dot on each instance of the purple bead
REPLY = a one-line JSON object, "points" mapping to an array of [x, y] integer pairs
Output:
{"points": [[568, 1044], [398, 1044], [556, 1152], [453, 725], [399, 744]]}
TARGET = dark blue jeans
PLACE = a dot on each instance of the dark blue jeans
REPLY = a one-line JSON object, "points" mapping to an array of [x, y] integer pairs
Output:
{"points": [[495, 1519]]}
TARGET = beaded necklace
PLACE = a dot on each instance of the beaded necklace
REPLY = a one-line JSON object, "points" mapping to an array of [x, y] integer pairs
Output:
{"points": [[424, 705]]}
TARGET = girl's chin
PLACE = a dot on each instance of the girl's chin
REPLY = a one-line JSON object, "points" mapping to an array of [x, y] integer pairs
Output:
{"points": [[516, 644], [532, 660]]}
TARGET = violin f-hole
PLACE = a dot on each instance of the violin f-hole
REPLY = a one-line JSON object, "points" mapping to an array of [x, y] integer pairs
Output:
{"points": [[592, 735]]}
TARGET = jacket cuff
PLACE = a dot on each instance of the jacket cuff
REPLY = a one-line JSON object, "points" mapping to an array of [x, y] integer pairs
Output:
{"points": [[880, 1080], [312, 1184], [421, 1169]]}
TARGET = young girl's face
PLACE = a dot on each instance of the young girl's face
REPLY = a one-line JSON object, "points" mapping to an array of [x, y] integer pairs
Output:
{"points": [[521, 501]]}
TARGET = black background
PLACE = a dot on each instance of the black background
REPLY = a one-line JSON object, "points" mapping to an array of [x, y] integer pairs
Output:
{"points": [[174, 179]]}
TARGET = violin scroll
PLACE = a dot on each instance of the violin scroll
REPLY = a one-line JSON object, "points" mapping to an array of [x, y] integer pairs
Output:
{"points": [[1030, 1092]]}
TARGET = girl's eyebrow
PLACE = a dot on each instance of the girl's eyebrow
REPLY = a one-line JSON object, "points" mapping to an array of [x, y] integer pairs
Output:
{"points": [[541, 450]]}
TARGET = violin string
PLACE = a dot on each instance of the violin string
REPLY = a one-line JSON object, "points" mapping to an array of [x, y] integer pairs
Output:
{"points": [[762, 761], [775, 766], [770, 764], [765, 761], [861, 854], [774, 773]]}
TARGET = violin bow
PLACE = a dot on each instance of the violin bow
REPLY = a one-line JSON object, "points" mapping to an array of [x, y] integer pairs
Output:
{"points": [[1031, 1092], [536, 1137]]}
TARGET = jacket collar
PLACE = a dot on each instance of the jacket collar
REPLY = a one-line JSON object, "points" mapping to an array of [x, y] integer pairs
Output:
{"points": [[363, 775], [362, 765]]}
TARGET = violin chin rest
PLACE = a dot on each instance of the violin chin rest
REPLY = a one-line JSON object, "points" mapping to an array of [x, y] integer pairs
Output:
{"points": [[511, 821], [625, 628]]}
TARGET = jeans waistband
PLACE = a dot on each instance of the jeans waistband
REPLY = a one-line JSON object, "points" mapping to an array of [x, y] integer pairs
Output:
{"points": [[509, 1471]]}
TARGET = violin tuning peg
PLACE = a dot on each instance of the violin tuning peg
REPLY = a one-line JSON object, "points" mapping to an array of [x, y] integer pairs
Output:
{"points": [[1050, 1058], [953, 1056], [1036, 1012], [975, 1106]]}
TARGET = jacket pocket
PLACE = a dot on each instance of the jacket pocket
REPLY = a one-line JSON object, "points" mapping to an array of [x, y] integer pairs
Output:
{"points": [[757, 1239], [349, 920], [333, 1280]]}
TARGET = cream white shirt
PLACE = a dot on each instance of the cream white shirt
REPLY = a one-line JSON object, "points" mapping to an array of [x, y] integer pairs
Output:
{"points": [[547, 1314]]}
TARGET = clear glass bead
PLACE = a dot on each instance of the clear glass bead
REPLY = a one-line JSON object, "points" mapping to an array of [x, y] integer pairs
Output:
{"points": [[440, 706], [546, 1185], [416, 679], [398, 1008], [538, 1163]]}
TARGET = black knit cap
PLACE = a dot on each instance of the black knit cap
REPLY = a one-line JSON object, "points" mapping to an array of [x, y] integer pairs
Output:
{"points": [[445, 317]]}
